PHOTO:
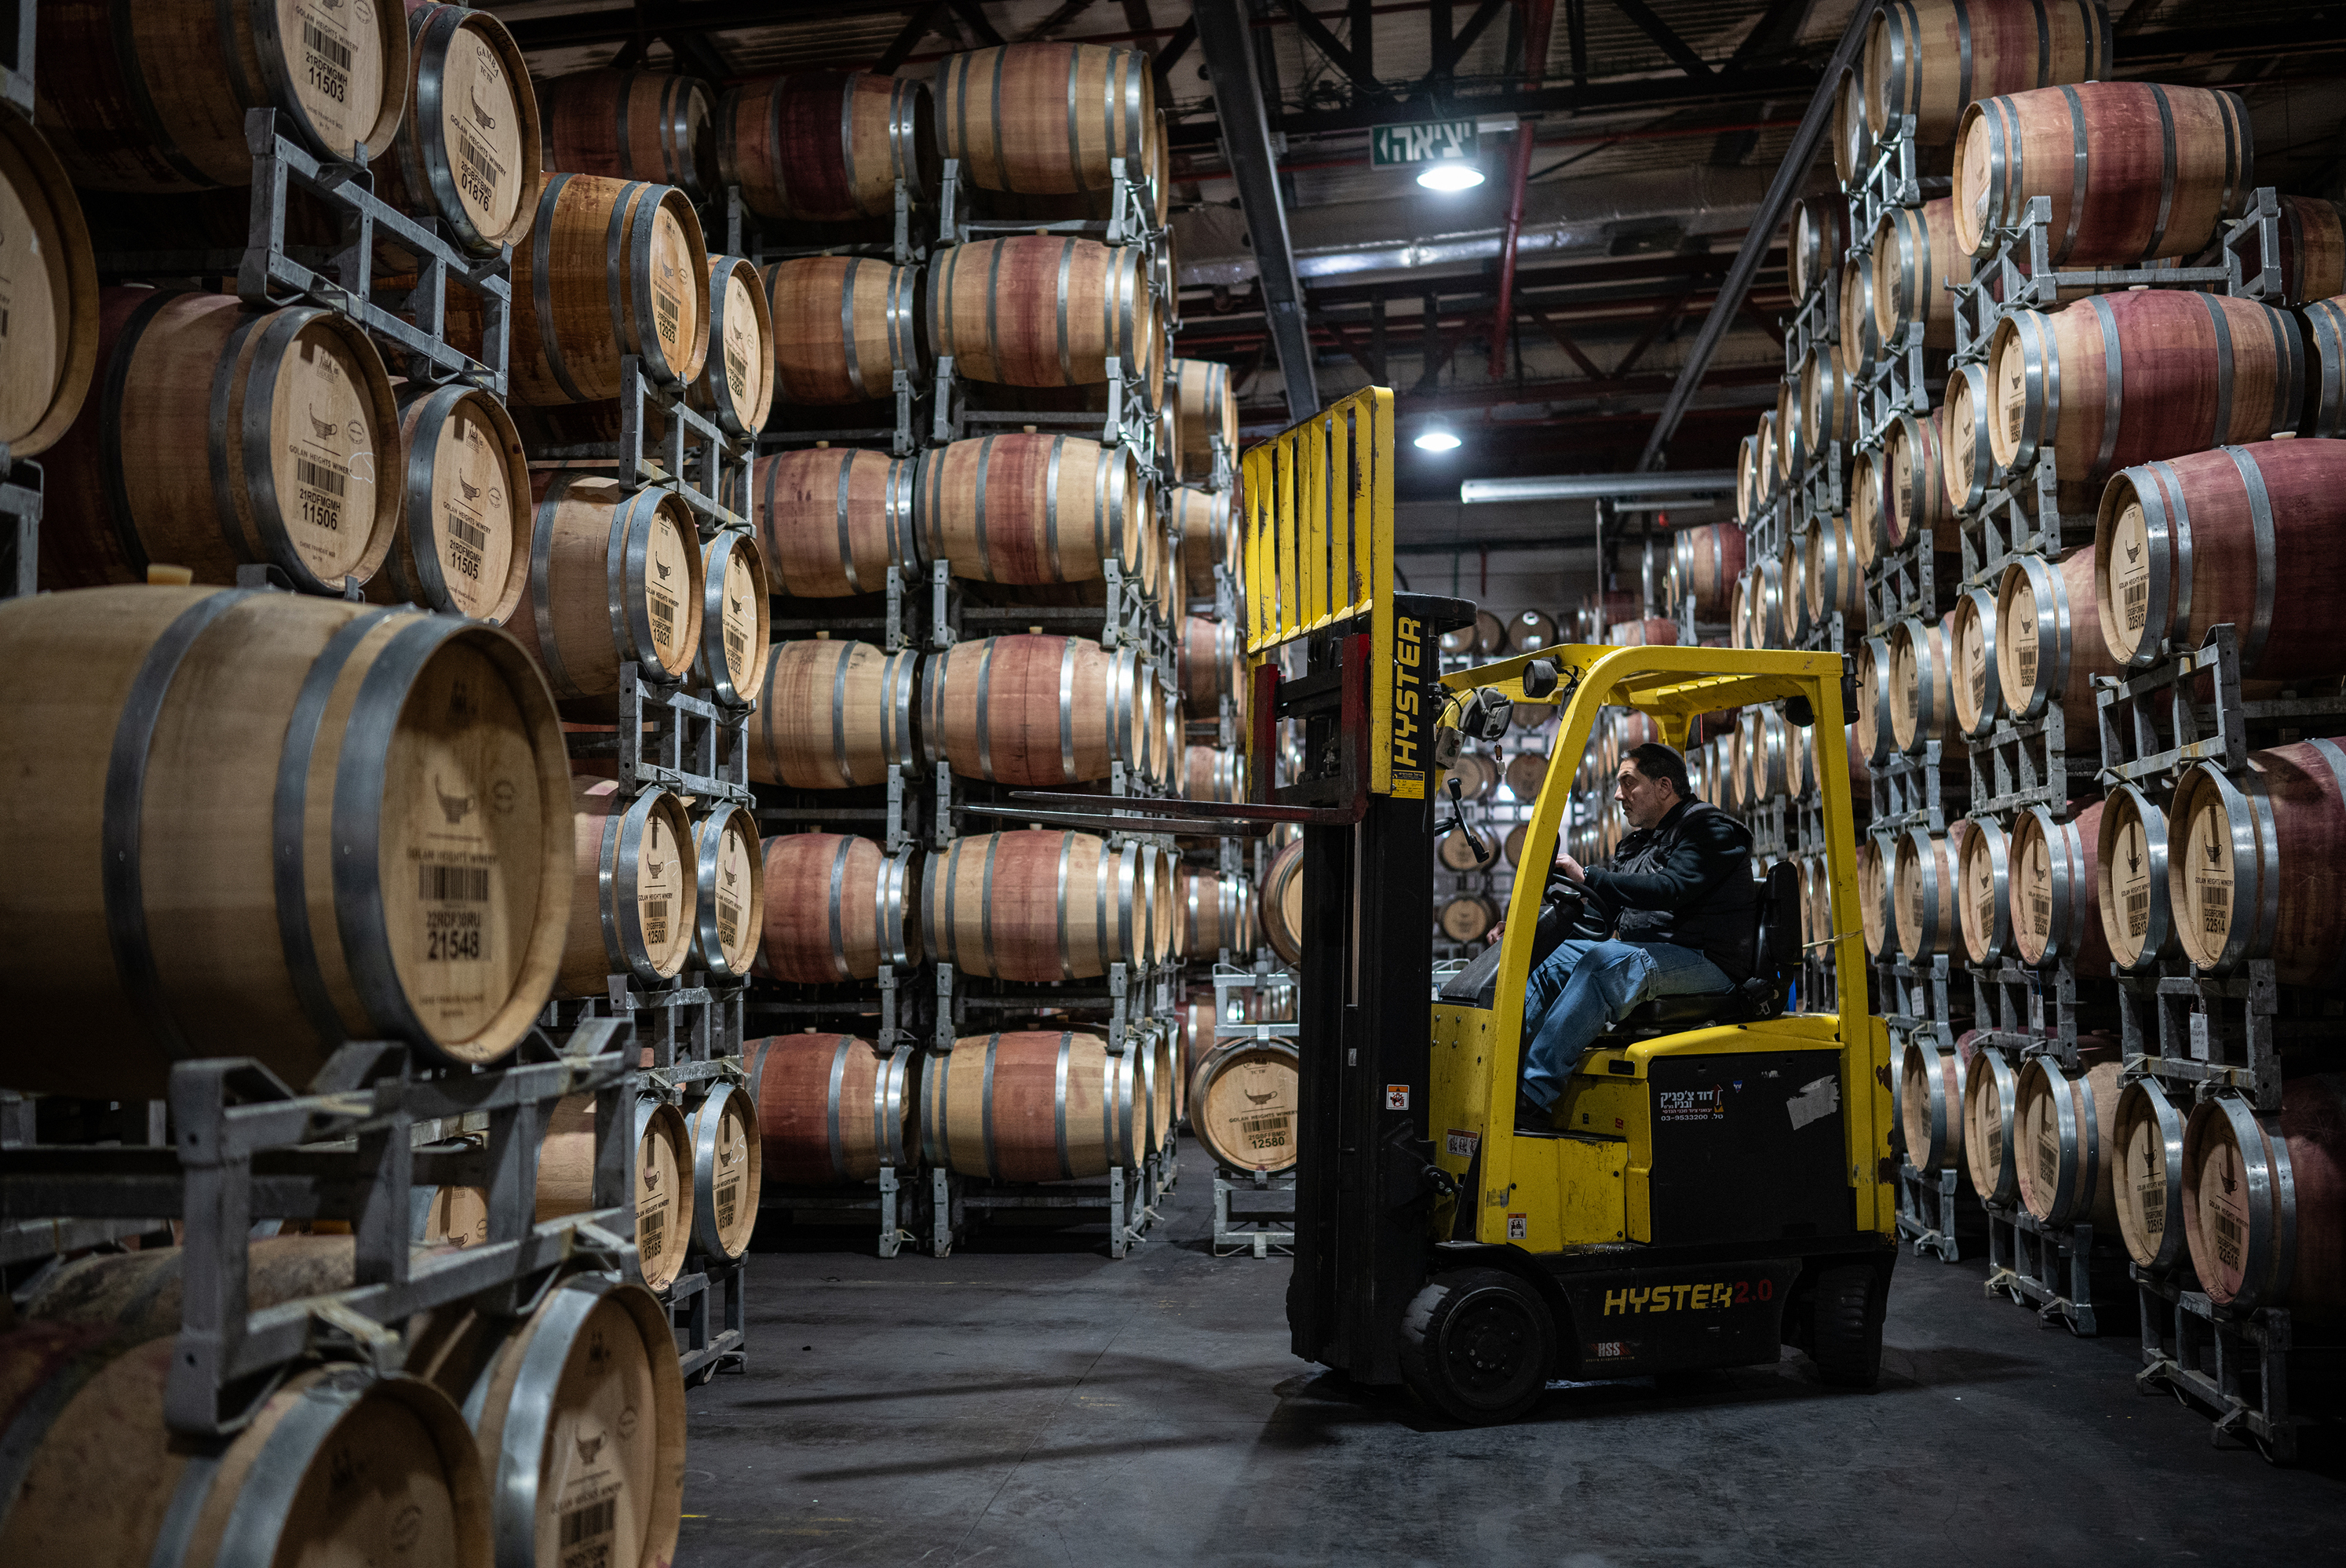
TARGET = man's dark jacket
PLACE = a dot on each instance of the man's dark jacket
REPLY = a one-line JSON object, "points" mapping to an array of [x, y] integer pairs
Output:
{"points": [[1686, 880]]}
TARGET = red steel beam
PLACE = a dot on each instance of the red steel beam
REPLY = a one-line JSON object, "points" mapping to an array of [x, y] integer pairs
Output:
{"points": [[1539, 20]]}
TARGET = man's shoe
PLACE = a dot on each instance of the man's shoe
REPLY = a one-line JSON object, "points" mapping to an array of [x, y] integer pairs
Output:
{"points": [[1531, 1116]]}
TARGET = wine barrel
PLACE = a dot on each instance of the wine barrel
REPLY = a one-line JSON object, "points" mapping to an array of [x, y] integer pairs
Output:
{"points": [[1038, 904], [615, 575], [736, 385], [1041, 312], [843, 326], [2117, 380], [832, 1108], [828, 146], [1468, 917], [1031, 508], [1036, 710], [1792, 452], [1989, 1086], [1245, 1097], [633, 125], [1477, 775], [1829, 402], [1708, 560], [735, 624], [1832, 579], [1860, 330], [1282, 905], [1873, 738], [1922, 688], [48, 335], [1868, 506], [1766, 476], [198, 731], [1207, 537], [572, 1479], [2249, 862], [288, 415], [728, 1164], [1528, 631], [2065, 1126], [2089, 150], [2264, 1200], [1651, 632], [2049, 639], [1033, 1105], [1967, 461], [1218, 914], [1209, 407], [1213, 663], [139, 1296], [1983, 872], [1211, 773], [1915, 465], [832, 715], [1877, 854], [1852, 143], [633, 895], [467, 152], [730, 893], [831, 521], [1931, 58], [1978, 689], [461, 544], [2184, 544], [2149, 1135], [1930, 1102], [1916, 260], [1923, 878], [96, 1476], [1524, 774], [2055, 889], [1048, 118], [1791, 601], [2311, 260], [836, 909], [149, 96], [2130, 879], [1767, 756], [1820, 236], [659, 1176], [1747, 478]]}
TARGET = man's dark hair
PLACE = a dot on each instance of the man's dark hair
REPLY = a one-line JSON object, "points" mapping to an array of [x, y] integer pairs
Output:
{"points": [[1656, 761]]}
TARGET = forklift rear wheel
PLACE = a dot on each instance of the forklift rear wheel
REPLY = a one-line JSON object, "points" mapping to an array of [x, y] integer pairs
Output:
{"points": [[1847, 1338], [1476, 1344]]}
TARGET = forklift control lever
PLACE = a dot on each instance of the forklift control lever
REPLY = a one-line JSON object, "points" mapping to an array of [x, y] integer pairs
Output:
{"points": [[1474, 841]]}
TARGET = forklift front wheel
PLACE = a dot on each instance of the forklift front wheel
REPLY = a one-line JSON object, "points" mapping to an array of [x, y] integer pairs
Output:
{"points": [[1476, 1344], [1847, 1344]]}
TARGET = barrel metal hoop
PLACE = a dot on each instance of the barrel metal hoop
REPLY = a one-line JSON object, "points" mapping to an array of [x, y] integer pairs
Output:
{"points": [[264, 1503], [2081, 168], [2260, 517], [1964, 60], [1067, 269], [2222, 327], [2168, 545], [1104, 952], [1999, 178], [1059, 1103], [627, 282], [847, 326], [110, 423], [830, 1100], [840, 511], [841, 758], [836, 914], [541, 277], [1051, 509], [986, 1104], [2244, 939], [1066, 849], [541, 564], [993, 357], [2111, 406], [2005, 1082], [904, 543], [2166, 169], [431, 152], [895, 885], [984, 462], [985, 908], [950, 924], [1075, 118], [2264, 1267], [984, 697], [223, 448], [618, 883], [519, 1461], [1068, 712], [424, 531], [887, 1107]]}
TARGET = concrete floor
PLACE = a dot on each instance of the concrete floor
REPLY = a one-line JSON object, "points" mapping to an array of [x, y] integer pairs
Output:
{"points": [[1038, 1403]]}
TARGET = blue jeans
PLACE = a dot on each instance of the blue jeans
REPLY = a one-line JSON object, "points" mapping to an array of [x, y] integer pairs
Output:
{"points": [[1583, 987]]}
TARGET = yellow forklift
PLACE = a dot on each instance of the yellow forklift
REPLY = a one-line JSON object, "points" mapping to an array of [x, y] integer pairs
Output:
{"points": [[1716, 1181]]}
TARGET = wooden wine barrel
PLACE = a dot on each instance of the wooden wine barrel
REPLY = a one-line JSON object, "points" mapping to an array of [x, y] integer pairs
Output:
{"points": [[615, 575], [2055, 889], [1244, 1098], [1990, 1151], [1211, 773], [1768, 756], [830, 521], [1747, 478], [1282, 903], [1524, 773], [1915, 492], [1978, 689], [1653, 631], [832, 715], [1766, 477], [1477, 775], [1707, 560], [1832, 580], [2048, 638], [1967, 461], [1931, 1104], [632, 896], [831, 1107], [1217, 913], [1922, 690], [1931, 58], [2248, 863], [2240, 534], [1209, 407], [149, 96], [1037, 904], [185, 736], [1528, 631], [1820, 236], [1048, 118], [1792, 453], [2130, 879], [1212, 662], [842, 327], [2311, 260], [734, 620], [2091, 150], [2264, 1199], [728, 1164], [730, 897], [1877, 915], [1468, 917], [1030, 508], [48, 335], [223, 437], [1033, 1105], [1036, 710], [633, 125], [1852, 143], [1041, 311], [1828, 400], [571, 1477], [462, 544], [2122, 379], [836, 909], [467, 152], [1861, 330], [1984, 906], [661, 1177], [1868, 505], [1873, 738], [1202, 523], [1915, 261], [1923, 878], [2148, 1135], [2065, 1126], [96, 1477], [1792, 603], [735, 385], [826, 146]]}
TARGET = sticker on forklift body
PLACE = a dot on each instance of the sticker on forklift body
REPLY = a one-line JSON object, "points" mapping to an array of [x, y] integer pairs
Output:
{"points": [[1820, 1098], [1462, 1145], [1518, 1228], [1396, 1097]]}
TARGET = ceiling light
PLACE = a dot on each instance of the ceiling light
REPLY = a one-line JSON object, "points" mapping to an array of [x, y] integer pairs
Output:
{"points": [[1450, 175], [1436, 439]]}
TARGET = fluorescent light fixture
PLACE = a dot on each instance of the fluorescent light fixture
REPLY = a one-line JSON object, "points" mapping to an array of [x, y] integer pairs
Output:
{"points": [[1451, 174], [1434, 438], [1678, 487]]}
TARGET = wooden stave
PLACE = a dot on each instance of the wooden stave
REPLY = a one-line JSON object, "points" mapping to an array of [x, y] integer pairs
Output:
{"points": [[2324, 321], [1930, 1104], [711, 829], [2290, 1254], [2283, 501], [1984, 904], [102, 40], [70, 270], [1227, 1056], [2091, 213], [2083, 1109], [2050, 42], [661, 1183], [1051, 731], [842, 947], [878, 308], [960, 535], [713, 671], [1990, 1086], [1914, 467], [849, 764], [1282, 884], [863, 1091], [678, 108], [1127, 322], [418, 177], [872, 517], [877, 145], [606, 935], [1205, 542], [713, 1173], [1119, 1121], [1916, 260], [419, 576], [2148, 1151], [1125, 108], [2125, 806], [2286, 808], [2074, 927], [1116, 928], [294, 654], [712, 391], [1208, 409], [100, 502], [568, 572], [2064, 602], [1971, 664]]}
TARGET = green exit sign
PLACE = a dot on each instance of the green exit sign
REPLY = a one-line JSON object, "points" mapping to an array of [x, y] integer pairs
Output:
{"points": [[1422, 143]]}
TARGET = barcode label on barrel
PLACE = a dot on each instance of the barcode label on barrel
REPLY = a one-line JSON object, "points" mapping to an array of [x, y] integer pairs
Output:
{"points": [[477, 168], [2024, 658], [2214, 908], [317, 41], [1267, 1131], [2040, 910], [655, 920], [2137, 605], [2048, 1161], [592, 1523], [737, 369], [728, 920], [2153, 1212], [737, 647], [663, 615], [727, 1197], [2138, 912], [454, 884], [318, 476], [2228, 1238], [652, 1226], [470, 533]]}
